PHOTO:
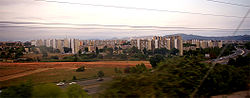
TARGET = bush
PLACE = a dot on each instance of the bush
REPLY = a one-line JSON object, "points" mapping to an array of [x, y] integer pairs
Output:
{"points": [[76, 91], [223, 79], [156, 59], [21, 91], [117, 70], [81, 69], [54, 57], [47, 91], [100, 74], [74, 78]]}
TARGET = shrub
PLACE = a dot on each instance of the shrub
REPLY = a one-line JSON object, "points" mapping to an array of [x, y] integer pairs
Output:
{"points": [[74, 78], [76, 91], [21, 91], [47, 91], [81, 69], [100, 74], [54, 57]]}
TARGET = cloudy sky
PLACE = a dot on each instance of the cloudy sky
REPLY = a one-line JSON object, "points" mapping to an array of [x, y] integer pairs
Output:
{"points": [[103, 19]]}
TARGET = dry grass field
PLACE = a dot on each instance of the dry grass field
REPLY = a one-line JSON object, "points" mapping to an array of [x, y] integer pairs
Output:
{"points": [[44, 72]]}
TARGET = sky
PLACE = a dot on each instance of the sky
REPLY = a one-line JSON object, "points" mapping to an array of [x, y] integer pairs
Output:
{"points": [[105, 19]]}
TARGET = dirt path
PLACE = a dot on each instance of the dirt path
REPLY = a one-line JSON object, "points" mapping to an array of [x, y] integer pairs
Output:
{"points": [[4, 78]]}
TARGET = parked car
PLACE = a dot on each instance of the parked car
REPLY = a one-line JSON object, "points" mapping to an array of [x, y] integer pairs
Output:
{"points": [[72, 83], [60, 84], [99, 79]]}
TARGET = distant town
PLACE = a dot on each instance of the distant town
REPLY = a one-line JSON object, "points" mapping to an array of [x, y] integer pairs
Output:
{"points": [[76, 46]]}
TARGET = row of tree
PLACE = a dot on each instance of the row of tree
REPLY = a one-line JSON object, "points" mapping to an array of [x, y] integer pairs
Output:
{"points": [[179, 77]]}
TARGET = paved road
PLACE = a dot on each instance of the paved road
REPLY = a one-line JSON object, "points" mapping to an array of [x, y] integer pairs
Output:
{"points": [[225, 59], [91, 86]]}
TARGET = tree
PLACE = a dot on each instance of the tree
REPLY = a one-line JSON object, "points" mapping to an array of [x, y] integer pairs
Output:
{"points": [[223, 79], [54, 57], [75, 58], [97, 50], [116, 48], [247, 45], [47, 91], [80, 69], [134, 50], [100, 74], [156, 59], [110, 51], [231, 61], [139, 68], [67, 50], [74, 78], [45, 54], [22, 90], [57, 51], [127, 69], [79, 52], [3, 55], [162, 51], [242, 61], [76, 91], [174, 51], [86, 49], [117, 70], [145, 51]]}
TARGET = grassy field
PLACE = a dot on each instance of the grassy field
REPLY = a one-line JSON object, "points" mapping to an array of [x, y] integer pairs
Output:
{"points": [[5, 70], [56, 75], [47, 72]]}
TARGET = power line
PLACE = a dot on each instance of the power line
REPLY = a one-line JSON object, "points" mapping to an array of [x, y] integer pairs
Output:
{"points": [[141, 27], [137, 8], [223, 49], [229, 3]]}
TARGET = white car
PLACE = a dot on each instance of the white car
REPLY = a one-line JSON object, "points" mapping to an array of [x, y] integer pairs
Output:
{"points": [[72, 83], [60, 84]]}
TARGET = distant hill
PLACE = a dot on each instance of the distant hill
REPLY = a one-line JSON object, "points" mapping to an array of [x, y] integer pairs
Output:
{"points": [[190, 37]]}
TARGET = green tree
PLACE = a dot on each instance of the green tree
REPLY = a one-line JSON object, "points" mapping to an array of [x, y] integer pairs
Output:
{"points": [[67, 50], [79, 52], [116, 48], [156, 59], [110, 51], [133, 50], [86, 49], [74, 78], [54, 57], [174, 51], [100, 74], [145, 51], [97, 50], [76, 91], [80, 69], [139, 68], [47, 91], [247, 45], [57, 51], [45, 54], [117, 70], [231, 62], [223, 79], [20, 91]]}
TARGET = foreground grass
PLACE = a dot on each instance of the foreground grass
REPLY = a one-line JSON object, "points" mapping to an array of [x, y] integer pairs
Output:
{"points": [[57, 75]]}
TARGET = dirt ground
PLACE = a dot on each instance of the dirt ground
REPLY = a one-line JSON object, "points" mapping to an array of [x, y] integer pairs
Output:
{"points": [[9, 73]]}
